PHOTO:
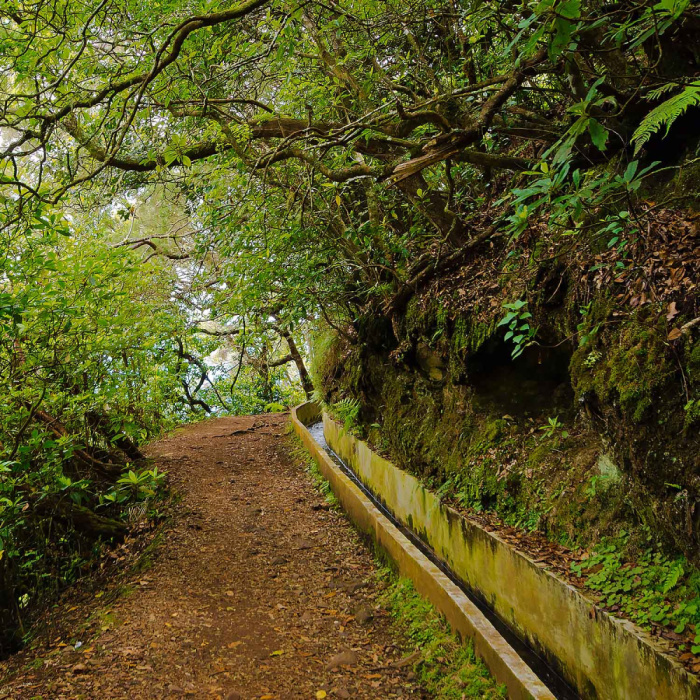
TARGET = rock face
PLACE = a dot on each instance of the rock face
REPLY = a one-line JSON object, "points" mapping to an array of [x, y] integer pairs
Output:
{"points": [[524, 437]]}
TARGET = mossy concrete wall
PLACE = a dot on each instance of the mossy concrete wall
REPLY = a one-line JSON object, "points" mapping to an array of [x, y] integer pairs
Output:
{"points": [[461, 613], [601, 656]]}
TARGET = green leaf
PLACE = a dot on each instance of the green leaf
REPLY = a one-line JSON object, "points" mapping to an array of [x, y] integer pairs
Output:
{"points": [[564, 30], [599, 134], [571, 9], [666, 114], [507, 318]]}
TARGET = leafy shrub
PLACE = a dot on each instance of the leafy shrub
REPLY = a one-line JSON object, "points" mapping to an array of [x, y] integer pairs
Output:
{"points": [[652, 589]]}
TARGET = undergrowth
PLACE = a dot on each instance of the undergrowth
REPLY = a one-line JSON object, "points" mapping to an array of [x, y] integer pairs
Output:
{"points": [[347, 410], [447, 668], [651, 589]]}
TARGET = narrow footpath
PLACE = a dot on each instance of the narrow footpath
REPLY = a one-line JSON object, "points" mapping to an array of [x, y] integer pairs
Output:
{"points": [[258, 590]]}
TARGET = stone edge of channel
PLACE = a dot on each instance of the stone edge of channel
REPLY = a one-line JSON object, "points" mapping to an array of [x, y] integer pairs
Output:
{"points": [[465, 618]]}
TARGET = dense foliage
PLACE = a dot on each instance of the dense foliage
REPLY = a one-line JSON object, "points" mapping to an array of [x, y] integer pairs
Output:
{"points": [[187, 188]]}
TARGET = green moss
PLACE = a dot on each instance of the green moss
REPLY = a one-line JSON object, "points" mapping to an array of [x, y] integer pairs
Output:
{"points": [[420, 317], [321, 344], [447, 668], [539, 455], [441, 317], [694, 362], [494, 429], [468, 336], [431, 322], [324, 357], [627, 366], [685, 183], [692, 413]]}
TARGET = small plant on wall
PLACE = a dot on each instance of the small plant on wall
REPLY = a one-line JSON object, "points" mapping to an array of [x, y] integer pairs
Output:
{"points": [[348, 411], [520, 331]]}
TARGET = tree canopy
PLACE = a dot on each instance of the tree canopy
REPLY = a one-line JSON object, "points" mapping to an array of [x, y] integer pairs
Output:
{"points": [[187, 188]]}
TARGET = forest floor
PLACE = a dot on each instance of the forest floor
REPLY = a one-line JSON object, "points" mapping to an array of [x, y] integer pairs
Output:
{"points": [[257, 589]]}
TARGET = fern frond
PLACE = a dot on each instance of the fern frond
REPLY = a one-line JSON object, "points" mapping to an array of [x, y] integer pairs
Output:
{"points": [[347, 410], [665, 114], [659, 91], [672, 576]]}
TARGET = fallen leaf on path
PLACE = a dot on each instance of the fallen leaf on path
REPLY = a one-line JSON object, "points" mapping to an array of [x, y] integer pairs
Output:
{"points": [[411, 658]]}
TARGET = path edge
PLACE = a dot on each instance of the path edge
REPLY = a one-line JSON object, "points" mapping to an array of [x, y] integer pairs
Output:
{"points": [[463, 616]]}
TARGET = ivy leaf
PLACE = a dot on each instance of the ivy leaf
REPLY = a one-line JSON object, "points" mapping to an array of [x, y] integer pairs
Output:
{"points": [[507, 318]]}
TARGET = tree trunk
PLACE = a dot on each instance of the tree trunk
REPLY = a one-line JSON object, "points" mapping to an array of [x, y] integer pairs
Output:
{"points": [[60, 430], [83, 519], [306, 382], [102, 424]]}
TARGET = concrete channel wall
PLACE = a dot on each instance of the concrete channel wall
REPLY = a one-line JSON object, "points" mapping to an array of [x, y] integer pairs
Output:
{"points": [[464, 617], [601, 656]]}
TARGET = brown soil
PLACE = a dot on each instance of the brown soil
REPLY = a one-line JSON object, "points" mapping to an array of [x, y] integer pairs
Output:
{"points": [[255, 591]]}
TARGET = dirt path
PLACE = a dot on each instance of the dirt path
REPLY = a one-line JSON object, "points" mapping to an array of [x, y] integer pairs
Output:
{"points": [[254, 593]]}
